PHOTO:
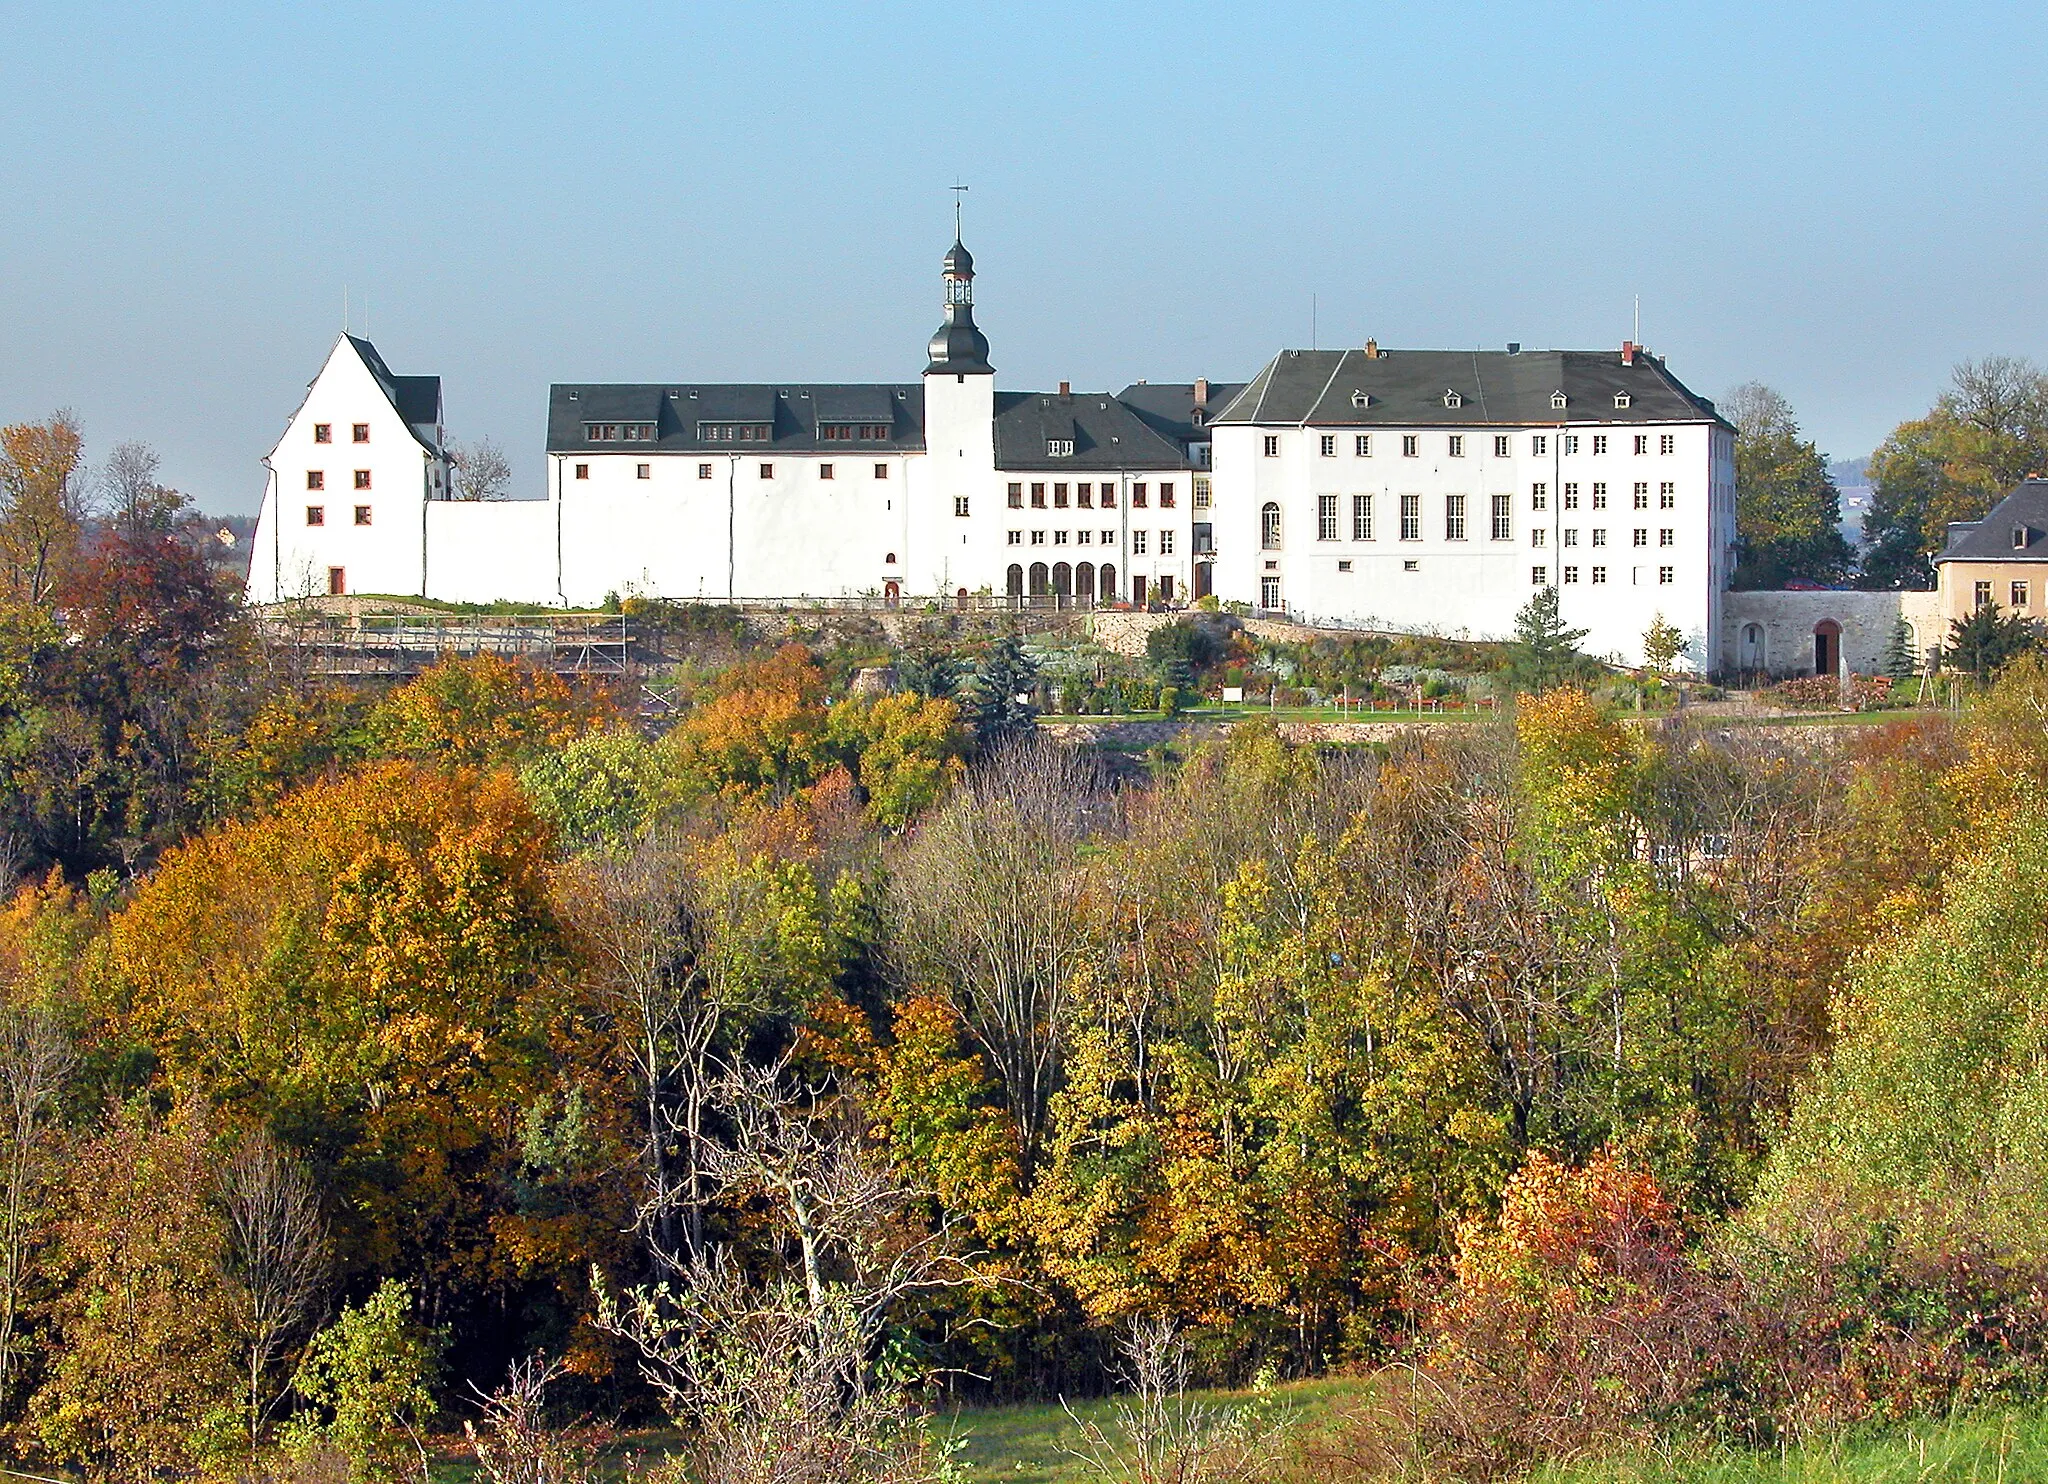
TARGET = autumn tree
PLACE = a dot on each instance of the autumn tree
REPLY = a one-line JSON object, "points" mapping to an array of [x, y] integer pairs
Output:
{"points": [[484, 710], [132, 496], [1786, 506], [43, 505], [480, 471], [36, 1058], [904, 752], [277, 1260]]}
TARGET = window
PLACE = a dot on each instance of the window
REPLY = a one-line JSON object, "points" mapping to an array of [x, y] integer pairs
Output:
{"points": [[1166, 543], [1599, 443], [1503, 517], [1642, 496], [1109, 538], [1539, 577], [2019, 595], [1539, 497], [316, 479], [1452, 399], [1269, 593], [1599, 574], [1571, 536], [1327, 445], [1666, 576], [337, 581], [362, 515], [1361, 517], [767, 471], [1571, 497], [1016, 496], [1457, 445], [881, 471], [646, 471], [637, 432], [1667, 537], [1411, 565], [1201, 492], [1411, 517], [359, 433], [1539, 445], [1059, 538], [960, 505], [1557, 401], [1038, 538], [824, 471], [1344, 566], [583, 471], [1571, 574], [1571, 443], [1326, 517], [1016, 538], [1500, 445], [1454, 517], [316, 515], [1411, 445], [1361, 445], [1038, 497], [1166, 494], [1059, 497], [1599, 497], [1108, 493], [1137, 543], [1538, 536], [1640, 537], [1137, 497], [362, 479], [2019, 538], [1600, 535], [1083, 538], [1269, 526], [1059, 448], [1667, 495], [1272, 445], [1642, 442], [1667, 443], [1084, 496]]}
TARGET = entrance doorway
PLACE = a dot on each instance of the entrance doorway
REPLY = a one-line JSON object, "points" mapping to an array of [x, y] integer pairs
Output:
{"points": [[337, 581], [1827, 647], [1138, 591], [892, 593]]}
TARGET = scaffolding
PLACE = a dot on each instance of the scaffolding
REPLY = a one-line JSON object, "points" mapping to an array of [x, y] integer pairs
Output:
{"points": [[400, 645]]}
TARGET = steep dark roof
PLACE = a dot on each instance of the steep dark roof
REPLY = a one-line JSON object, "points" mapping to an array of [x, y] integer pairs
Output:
{"points": [[417, 399], [1105, 433], [1407, 388], [1991, 539], [678, 409], [1168, 407]]}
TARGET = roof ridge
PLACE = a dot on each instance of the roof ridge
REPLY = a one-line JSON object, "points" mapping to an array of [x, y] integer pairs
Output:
{"points": [[1316, 402]]}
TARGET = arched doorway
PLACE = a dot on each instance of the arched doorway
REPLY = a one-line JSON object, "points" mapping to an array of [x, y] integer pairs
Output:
{"points": [[1040, 580], [960, 600], [1062, 580], [1013, 581], [1084, 581], [1827, 647], [1752, 657], [1105, 583], [892, 592]]}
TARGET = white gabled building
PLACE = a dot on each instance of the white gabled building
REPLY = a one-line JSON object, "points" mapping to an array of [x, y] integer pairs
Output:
{"points": [[1435, 491], [1426, 490]]}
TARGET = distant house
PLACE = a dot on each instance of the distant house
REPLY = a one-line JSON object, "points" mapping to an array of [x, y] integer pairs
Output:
{"points": [[2000, 559]]}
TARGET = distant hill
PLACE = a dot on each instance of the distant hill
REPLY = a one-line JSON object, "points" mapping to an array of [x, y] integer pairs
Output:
{"points": [[1852, 478]]}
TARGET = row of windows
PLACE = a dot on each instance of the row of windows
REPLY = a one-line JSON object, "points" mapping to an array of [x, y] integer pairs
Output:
{"points": [[324, 432], [1454, 444], [1328, 527], [316, 479], [1086, 495], [1540, 576], [1079, 581], [1640, 536], [316, 515], [1639, 498], [1140, 540], [618, 432], [843, 432], [2017, 592], [706, 471]]}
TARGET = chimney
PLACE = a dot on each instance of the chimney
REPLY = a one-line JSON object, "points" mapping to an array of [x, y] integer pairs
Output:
{"points": [[1066, 389], [1372, 350], [1628, 352], [1514, 347], [1201, 391]]}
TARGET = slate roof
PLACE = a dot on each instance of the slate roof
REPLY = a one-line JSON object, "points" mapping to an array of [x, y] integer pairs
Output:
{"points": [[416, 398], [1406, 388], [1168, 407], [1991, 539], [793, 412], [1105, 433]]}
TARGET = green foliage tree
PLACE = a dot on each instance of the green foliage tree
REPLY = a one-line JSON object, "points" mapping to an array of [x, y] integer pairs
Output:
{"points": [[1662, 644], [1986, 641], [1984, 434], [1544, 650], [999, 708], [1899, 660], [1787, 509], [368, 1382]]}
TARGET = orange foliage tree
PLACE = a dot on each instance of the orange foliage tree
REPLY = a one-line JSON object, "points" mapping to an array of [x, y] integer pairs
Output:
{"points": [[485, 710]]}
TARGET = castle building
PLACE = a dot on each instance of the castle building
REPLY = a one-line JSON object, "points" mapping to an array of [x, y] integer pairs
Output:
{"points": [[1421, 490]]}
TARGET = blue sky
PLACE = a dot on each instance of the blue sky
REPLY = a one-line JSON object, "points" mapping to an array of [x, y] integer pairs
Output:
{"points": [[1842, 201]]}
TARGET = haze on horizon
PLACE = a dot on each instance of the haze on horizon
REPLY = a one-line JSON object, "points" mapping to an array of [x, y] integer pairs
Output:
{"points": [[1840, 202]]}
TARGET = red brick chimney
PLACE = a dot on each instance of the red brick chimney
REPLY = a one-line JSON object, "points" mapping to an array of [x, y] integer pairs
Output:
{"points": [[1628, 352], [1372, 350], [1066, 389], [1201, 391]]}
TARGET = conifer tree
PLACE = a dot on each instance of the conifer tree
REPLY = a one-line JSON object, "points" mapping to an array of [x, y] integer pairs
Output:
{"points": [[1899, 661], [999, 706], [1543, 650]]}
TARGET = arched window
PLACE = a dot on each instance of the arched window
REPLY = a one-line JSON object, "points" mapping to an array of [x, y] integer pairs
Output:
{"points": [[1038, 580], [1014, 581], [889, 560], [1062, 579], [1269, 526], [1084, 580], [1105, 583]]}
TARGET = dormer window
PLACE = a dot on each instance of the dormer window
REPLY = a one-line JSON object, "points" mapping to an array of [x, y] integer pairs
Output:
{"points": [[1360, 400], [1557, 401], [618, 432], [2019, 538], [1452, 399], [1621, 399], [734, 432], [1059, 448], [848, 432], [1198, 418]]}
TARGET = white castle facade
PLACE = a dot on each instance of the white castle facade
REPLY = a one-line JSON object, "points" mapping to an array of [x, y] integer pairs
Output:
{"points": [[1417, 490]]}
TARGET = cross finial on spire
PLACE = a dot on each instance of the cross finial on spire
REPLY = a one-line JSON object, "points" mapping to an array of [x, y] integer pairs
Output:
{"points": [[958, 191]]}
